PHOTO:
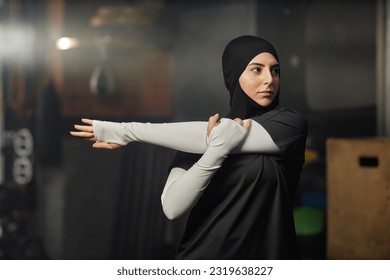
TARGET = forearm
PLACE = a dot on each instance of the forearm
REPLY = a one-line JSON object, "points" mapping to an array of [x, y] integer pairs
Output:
{"points": [[187, 137], [184, 187]]}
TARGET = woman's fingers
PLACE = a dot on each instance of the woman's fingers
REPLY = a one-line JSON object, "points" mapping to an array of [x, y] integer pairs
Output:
{"points": [[87, 121], [246, 125], [84, 128], [213, 121], [84, 135], [238, 120], [84, 131]]}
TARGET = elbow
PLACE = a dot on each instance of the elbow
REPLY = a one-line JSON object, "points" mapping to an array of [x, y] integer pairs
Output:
{"points": [[171, 209], [170, 216], [171, 212]]}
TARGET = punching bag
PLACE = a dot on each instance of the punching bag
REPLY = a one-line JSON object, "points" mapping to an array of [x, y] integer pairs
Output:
{"points": [[102, 81]]}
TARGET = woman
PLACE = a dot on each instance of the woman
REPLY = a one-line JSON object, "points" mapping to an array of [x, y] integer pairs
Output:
{"points": [[237, 175]]}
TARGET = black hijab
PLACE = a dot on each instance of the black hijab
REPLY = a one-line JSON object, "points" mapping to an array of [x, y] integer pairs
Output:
{"points": [[236, 56]]}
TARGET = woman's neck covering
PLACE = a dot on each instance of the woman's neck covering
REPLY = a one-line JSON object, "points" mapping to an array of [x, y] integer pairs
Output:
{"points": [[236, 56]]}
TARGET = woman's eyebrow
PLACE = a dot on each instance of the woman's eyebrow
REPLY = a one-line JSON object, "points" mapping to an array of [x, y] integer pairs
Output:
{"points": [[260, 64], [255, 63]]}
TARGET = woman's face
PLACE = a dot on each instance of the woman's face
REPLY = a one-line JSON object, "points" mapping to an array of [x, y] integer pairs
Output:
{"points": [[260, 79]]}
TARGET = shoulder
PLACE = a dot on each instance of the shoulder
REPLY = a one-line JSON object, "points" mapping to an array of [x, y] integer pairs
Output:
{"points": [[292, 115], [285, 115], [284, 125]]}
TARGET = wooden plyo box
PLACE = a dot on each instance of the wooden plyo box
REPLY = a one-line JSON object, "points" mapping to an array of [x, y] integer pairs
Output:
{"points": [[358, 193]]}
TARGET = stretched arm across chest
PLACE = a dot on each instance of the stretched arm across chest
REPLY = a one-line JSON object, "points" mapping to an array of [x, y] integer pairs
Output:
{"points": [[182, 136]]}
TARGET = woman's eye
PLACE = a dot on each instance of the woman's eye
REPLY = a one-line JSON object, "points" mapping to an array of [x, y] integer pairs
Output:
{"points": [[257, 70], [276, 71]]}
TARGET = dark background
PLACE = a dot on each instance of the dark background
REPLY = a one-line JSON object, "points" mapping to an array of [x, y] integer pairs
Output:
{"points": [[162, 63]]}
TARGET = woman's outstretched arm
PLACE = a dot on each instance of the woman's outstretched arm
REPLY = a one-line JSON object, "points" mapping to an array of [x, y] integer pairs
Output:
{"points": [[181, 136]]}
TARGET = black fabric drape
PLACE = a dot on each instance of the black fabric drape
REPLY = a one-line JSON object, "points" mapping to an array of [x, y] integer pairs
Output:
{"points": [[142, 231]]}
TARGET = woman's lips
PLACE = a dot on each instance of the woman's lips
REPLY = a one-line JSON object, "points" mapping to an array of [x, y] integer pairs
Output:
{"points": [[266, 93]]}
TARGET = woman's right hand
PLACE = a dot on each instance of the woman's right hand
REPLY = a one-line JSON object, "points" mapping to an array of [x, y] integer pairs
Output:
{"points": [[226, 132], [86, 132]]}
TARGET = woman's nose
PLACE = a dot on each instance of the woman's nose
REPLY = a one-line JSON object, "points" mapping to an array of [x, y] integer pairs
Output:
{"points": [[267, 78]]}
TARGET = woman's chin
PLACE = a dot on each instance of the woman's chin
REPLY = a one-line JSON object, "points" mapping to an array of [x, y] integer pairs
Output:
{"points": [[265, 102]]}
